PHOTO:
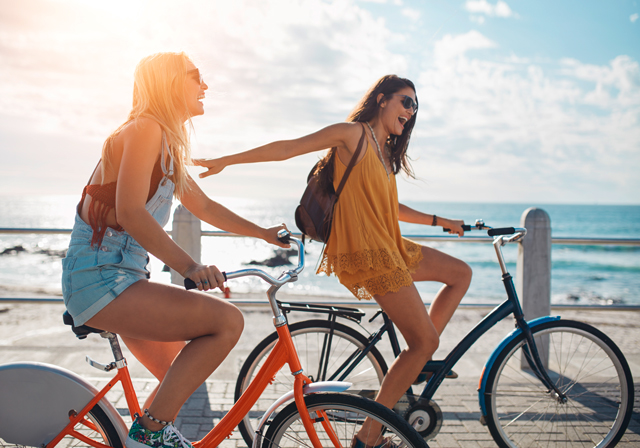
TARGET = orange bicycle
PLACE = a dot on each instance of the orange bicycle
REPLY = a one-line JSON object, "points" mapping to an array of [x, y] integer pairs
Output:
{"points": [[43, 405]]}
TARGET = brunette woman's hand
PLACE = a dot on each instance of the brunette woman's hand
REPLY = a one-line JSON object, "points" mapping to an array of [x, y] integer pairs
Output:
{"points": [[206, 277], [454, 226], [270, 235], [214, 166]]}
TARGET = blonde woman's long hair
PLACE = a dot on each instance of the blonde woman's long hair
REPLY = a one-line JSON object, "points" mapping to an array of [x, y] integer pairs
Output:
{"points": [[158, 93]]}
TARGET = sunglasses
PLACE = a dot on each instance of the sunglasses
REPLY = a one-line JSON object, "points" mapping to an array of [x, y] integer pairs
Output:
{"points": [[408, 102], [196, 75]]}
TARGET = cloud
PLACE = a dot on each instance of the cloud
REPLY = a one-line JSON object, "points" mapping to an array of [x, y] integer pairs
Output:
{"points": [[411, 13], [634, 17], [534, 125], [451, 46], [520, 127], [275, 69], [74, 72], [484, 8]]}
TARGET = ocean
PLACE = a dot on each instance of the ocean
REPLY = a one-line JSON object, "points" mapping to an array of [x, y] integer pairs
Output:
{"points": [[30, 264]]}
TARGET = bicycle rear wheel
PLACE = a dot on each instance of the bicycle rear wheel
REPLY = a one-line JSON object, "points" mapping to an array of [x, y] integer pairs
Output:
{"points": [[345, 413], [104, 433], [586, 366], [325, 350]]}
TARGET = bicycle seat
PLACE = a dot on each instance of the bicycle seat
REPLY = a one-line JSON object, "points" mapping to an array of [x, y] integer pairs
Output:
{"points": [[82, 331]]}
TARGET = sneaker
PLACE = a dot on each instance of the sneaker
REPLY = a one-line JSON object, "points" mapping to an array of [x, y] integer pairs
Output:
{"points": [[167, 437], [386, 443]]}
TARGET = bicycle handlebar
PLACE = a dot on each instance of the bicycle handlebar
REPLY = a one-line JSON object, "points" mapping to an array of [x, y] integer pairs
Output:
{"points": [[517, 233], [501, 231], [284, 236]]}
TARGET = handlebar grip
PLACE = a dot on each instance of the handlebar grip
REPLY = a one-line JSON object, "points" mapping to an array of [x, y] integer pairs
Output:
{"points": [[284, 236], [501, 231], [465, 227], [190, 284]]}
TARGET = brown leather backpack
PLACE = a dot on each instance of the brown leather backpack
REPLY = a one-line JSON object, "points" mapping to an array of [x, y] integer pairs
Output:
{"points": [[314, 215]]}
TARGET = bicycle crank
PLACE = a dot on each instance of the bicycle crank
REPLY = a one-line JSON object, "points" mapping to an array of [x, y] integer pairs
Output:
{"points": [[426, 418]]}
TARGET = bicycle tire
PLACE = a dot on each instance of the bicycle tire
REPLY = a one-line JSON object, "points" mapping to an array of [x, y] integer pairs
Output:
{"points": [[345, 340], [346, 413], [586, 366], [106, 434]]}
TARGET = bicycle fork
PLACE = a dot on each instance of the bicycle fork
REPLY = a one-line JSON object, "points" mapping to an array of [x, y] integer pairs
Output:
{"points": [[535, 362]]}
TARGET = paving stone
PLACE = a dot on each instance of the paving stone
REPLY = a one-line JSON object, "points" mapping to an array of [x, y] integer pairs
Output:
{"points": [[457, 398]]}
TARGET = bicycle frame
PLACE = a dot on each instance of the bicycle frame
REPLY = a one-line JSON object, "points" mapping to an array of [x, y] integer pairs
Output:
{"points": [[510, 306], [122, 376], [283, 353], [440, 368]]}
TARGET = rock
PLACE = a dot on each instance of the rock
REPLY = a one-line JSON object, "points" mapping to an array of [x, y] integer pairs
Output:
{"points": [[13, 250]]}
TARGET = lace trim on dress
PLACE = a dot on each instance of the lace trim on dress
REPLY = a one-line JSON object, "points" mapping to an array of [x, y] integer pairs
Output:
{"points": [[369, 259], [375, 260], [382, 284]]}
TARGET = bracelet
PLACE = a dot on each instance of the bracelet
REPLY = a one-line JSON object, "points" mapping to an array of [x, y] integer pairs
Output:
{"points": [[153, 419], [435, 220]]}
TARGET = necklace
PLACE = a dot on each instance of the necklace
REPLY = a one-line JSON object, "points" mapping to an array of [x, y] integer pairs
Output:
{"points": [[379, 152]]}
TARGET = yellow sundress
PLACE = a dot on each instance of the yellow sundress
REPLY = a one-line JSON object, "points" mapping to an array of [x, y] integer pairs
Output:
{"points": [[366, 250]]}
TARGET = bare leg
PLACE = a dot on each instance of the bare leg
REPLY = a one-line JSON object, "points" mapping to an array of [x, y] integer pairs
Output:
{"points": [[408, 313], [157, 357], [436, 266], [421, 330], [163, 313]]}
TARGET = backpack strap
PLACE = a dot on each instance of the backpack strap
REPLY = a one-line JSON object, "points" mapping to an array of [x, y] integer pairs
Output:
{"points": [[351, 164]]}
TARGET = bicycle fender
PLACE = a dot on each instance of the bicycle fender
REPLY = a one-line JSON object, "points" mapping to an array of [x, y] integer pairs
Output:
{"points": [[492, 359], [35, 400], [313, 388]]}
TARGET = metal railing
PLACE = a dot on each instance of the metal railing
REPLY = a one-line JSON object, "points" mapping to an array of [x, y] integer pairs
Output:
{"points": [[435, 238], [534, 291]]}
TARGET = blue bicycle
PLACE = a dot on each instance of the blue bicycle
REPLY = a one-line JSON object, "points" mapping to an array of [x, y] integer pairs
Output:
{"points": [[550, 382]]}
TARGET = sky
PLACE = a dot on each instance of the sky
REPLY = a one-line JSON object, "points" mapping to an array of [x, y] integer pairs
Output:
{"points": [[532, 102]]}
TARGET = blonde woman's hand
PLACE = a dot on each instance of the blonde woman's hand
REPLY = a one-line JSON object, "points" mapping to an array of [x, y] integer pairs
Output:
{"points": [[271, 236], [214, 166], [205, 277]]}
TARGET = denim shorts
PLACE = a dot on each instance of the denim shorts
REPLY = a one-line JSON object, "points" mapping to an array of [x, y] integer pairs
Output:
{"points": [[93, 276]]}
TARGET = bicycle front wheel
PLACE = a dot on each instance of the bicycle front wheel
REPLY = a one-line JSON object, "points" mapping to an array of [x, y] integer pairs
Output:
{"points": [[326, 351], [102, 431], [585, 365], [344, 414]]}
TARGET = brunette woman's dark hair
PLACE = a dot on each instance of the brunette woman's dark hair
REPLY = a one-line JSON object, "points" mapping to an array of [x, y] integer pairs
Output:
{"points": [[365, 111]]}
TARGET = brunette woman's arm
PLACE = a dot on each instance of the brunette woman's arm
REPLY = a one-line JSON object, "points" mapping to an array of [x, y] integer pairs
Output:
{"points": [[408, 214], [341, 135]]}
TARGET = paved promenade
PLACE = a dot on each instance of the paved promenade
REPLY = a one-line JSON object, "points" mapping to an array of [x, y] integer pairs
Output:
{"points": [[34, 332]]}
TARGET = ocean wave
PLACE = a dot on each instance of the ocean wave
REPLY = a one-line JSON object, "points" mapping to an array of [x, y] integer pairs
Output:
{"points": [[578, 265], [594, 248]]}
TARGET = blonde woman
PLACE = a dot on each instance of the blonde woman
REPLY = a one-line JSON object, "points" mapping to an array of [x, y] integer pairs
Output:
{"points": [[180, 336], [365, 249]]}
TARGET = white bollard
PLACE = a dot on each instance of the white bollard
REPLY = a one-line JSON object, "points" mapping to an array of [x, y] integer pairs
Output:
{"points": [[533, 273], [186, 232]]}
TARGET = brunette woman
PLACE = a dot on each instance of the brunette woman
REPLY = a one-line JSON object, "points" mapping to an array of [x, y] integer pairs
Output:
{"points": [[365, 249]]}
